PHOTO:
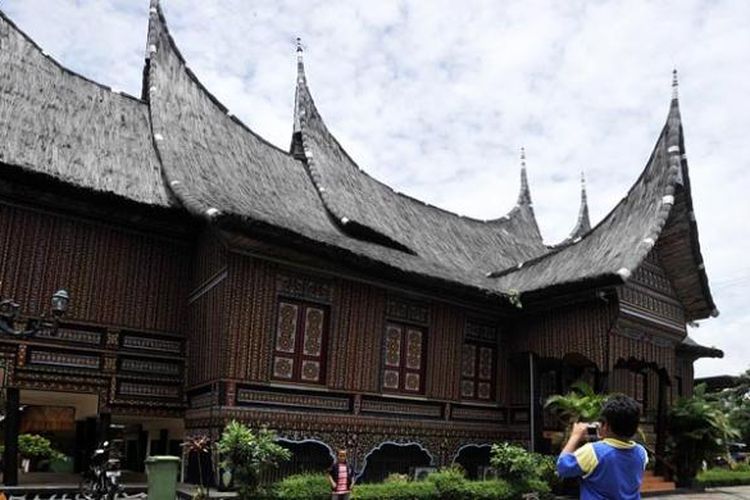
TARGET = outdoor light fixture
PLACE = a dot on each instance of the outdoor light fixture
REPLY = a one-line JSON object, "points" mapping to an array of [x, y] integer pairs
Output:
{"points": [[60, 300], [9, 311]]}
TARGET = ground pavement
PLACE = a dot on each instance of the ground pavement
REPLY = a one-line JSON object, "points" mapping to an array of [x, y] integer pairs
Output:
{"points": [[733, 492]]}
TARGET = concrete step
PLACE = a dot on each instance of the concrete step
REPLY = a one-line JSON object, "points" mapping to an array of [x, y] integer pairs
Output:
{"points": [[653, 483]]}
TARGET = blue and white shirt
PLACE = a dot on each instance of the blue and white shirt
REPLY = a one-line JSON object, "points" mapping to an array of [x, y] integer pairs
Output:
{"points": [[610, 469]]}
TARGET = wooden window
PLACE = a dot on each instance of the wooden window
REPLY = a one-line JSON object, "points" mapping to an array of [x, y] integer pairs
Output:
{"points": [[403, 358], [639, 388], [478, 371], [300, 344]]}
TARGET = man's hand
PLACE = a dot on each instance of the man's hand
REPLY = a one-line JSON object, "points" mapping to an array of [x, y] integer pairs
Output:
{"points": [[577, 436], [579, 432]]}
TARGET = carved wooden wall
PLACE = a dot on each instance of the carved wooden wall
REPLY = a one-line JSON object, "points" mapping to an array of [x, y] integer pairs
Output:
{"points": [[122, 336], [358, 316], [358, 319], [641, 342], [580, 329], [206, 328], [114, 276], [650, 296]]}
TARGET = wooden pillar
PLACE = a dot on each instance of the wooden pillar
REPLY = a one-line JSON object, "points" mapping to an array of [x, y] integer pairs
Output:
{"points": [[163, 447], [661, 423], [142, 445], [102, 430], [79, 454], [12, 423]]}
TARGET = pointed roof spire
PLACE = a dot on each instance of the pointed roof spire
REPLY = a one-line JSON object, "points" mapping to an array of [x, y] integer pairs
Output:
{"points": [[296, 147], [674, 120], [524, 197], [300, 59], [583, 224]]}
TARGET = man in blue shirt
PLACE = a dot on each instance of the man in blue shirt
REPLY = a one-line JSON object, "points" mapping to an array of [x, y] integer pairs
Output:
{"points": [[611, 468]]}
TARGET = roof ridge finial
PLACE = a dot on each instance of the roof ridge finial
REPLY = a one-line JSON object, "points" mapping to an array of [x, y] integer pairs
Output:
{"points": [[583, 184], [583, 223], [675, 84], [524, 197]]}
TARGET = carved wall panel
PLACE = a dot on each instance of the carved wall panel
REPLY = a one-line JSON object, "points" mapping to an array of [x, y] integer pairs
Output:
{"points": [[582, 329], [635, 340], [649, 295], [269, 398], [114, 276], [63, 359]]}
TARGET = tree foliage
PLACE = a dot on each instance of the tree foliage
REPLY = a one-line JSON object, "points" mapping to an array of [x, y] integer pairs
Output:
{"points": [[699, 429], [735, 401], [581, 404]]}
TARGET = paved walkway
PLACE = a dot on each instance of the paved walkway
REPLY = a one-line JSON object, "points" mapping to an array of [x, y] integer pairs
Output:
{"points": [[735, 492]]}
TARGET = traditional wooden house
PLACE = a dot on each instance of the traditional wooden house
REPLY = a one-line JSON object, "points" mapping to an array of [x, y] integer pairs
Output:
{"points": [[214, 276]]}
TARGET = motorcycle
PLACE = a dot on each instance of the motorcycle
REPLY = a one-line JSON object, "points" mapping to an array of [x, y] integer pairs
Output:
{"points": [[102, 479]]}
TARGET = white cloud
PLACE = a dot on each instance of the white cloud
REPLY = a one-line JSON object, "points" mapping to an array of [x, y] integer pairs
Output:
{"points": [[436, 97]]}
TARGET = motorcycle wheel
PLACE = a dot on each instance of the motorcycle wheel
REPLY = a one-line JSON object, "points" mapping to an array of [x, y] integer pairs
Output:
{"points": [[89, 489]]}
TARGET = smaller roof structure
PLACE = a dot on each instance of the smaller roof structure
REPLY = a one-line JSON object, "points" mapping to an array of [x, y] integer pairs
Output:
{"points": [[695, 350]]}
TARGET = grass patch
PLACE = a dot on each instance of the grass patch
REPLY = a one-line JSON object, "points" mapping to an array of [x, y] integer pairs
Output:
{"points": [[723, 477]]}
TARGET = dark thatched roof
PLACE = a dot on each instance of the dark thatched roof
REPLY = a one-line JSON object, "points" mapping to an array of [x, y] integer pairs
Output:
{"points": [[356, 200], [219, 169], [614, 249], [57, 123], [180, 145]]}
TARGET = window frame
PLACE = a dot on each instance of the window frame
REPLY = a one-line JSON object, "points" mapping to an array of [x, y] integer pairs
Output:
{"points": [[298, 355], [402, 369], [475, 378]]}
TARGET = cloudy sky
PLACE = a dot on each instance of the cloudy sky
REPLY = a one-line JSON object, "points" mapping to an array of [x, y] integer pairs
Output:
{"points": [[436, 98]]}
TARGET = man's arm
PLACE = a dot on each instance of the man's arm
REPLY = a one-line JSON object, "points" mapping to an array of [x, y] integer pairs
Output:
{"points": [[574, 461]]}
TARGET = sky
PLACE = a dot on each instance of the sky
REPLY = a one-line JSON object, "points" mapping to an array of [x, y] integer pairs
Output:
{"points": [[436, 98]]}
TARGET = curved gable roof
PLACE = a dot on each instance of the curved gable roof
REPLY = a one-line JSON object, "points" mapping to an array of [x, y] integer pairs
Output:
{"points": [[355, 199], [222, 171], [656, 210], [60, 124]]}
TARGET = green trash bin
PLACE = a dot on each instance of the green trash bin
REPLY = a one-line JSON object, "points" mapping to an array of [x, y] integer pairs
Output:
{"points": [[162, 477]]}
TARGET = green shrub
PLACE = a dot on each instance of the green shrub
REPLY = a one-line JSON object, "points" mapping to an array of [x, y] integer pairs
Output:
{"points": [[512, 462], [723, 477], [397, 478], [248, 453], [304, 486], [531, 485], [449, 482], [488, 490], [37, 447], [546, 469], [417, 490]]}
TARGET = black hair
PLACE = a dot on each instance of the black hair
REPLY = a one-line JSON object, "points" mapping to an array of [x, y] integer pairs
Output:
{"points": [[622, 414]]}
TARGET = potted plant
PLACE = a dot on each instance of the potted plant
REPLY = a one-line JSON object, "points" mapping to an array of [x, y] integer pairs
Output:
{"points": [[199, 445], [33, 449]]}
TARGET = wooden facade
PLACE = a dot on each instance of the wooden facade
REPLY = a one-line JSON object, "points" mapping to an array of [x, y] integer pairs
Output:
{"points": [[290, 290]]}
